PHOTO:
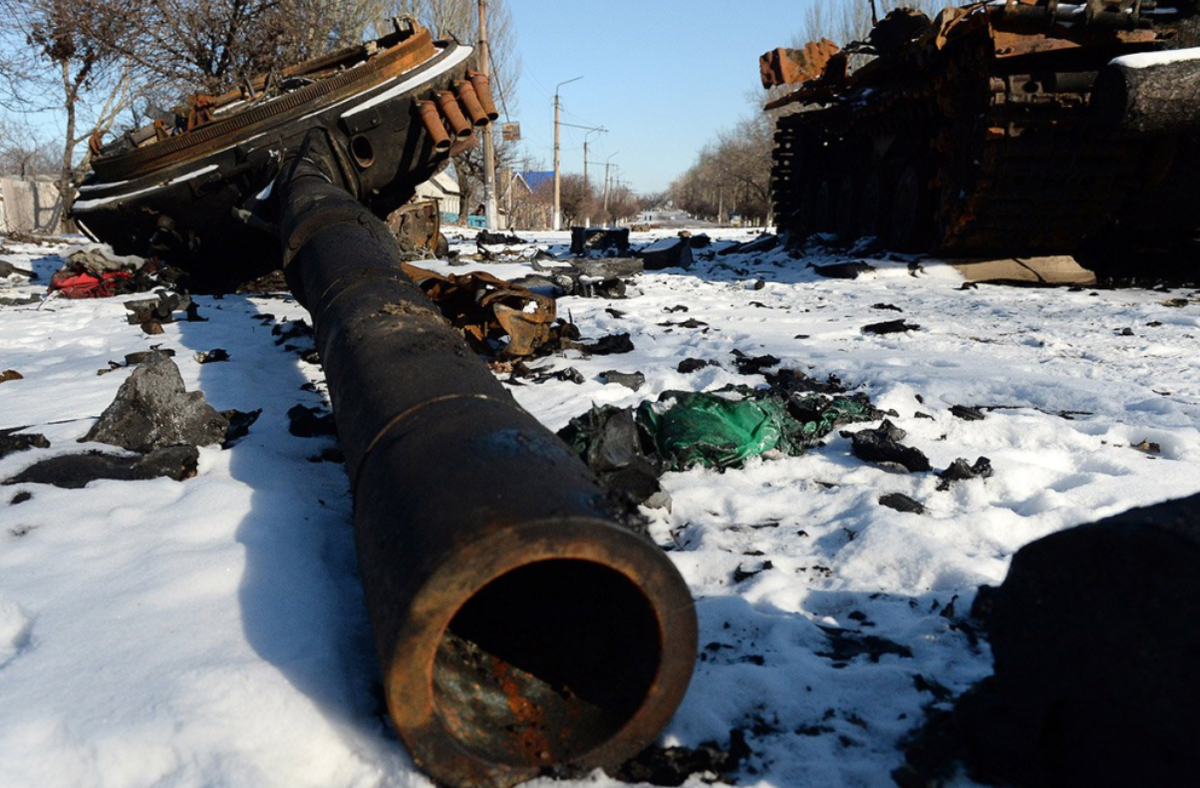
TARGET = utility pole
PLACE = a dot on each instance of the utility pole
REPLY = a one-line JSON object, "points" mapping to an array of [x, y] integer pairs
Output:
{"points": [[606, 192], [606, 164], [557, 219], [587, 192], [587, 187], [489, 150], [600, 129]]}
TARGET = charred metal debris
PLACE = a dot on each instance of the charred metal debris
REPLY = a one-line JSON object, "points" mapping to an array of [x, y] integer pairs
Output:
{"points": [[486, 309], [521, 627], [484, 692]]}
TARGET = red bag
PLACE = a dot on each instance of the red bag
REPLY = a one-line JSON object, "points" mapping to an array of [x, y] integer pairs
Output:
{"points": [[80, 283]]}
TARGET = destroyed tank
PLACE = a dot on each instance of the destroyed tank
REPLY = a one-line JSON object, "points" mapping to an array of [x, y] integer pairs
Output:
{"points": [[194, 187], [1011, 128]]}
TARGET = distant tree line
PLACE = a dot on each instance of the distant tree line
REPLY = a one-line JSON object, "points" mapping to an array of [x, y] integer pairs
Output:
{"points": [[101, 66], [732, 173]]}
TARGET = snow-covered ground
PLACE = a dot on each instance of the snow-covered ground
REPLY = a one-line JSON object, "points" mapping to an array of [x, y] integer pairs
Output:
{"points": [[211, 632]]}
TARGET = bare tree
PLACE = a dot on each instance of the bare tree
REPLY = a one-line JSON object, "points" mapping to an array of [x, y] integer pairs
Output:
{"points": [[205, 44], [651, 200], [622, 204], [745, 162], [699, 190], [184, 45], [576, 200], [312, 27], [731, 176], [22, 153], [10, 92], [58, 63]]}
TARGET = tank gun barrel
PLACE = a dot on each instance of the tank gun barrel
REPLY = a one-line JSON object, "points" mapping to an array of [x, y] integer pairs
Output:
{"points": [[519, 627]]}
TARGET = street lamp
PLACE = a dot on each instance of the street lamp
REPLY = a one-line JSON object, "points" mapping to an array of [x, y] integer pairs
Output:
{"points": [[557, 182]]}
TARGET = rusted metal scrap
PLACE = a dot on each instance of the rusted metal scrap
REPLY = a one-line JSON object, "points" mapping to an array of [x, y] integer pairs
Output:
{"points": [[486, 309], [980, 133], [418, 225], [793, 66]]}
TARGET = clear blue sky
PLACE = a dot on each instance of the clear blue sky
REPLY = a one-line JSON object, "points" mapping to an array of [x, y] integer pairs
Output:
{"points": [[663, 76]]}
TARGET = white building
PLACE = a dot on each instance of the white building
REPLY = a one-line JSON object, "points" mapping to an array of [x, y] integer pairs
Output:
{"points": [[443, 187]]}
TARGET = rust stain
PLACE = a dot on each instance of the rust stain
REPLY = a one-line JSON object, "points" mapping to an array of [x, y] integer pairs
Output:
{"points": [[535, 745]]}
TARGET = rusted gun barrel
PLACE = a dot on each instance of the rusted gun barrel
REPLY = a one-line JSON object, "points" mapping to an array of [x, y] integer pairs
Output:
{"points": [[518, 626]]}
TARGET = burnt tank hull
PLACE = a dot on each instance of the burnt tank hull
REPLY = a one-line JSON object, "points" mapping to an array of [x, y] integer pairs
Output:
{"points": [[200, 197], [974, 135]]}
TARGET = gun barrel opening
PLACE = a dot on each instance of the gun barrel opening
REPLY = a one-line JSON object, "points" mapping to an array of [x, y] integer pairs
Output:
{"points": [[546, 662]]}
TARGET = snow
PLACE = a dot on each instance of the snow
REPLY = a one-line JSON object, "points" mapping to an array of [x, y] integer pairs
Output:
{"points": [[82, 205], [211, 632], [661, 245], [1150, 59]]}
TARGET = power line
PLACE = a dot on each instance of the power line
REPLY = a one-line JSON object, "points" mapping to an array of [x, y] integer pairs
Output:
{"points": [[578, 117]]}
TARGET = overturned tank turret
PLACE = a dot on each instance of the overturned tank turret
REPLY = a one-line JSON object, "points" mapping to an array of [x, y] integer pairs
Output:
{"points": [[194, 187], [1006, 128]]}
